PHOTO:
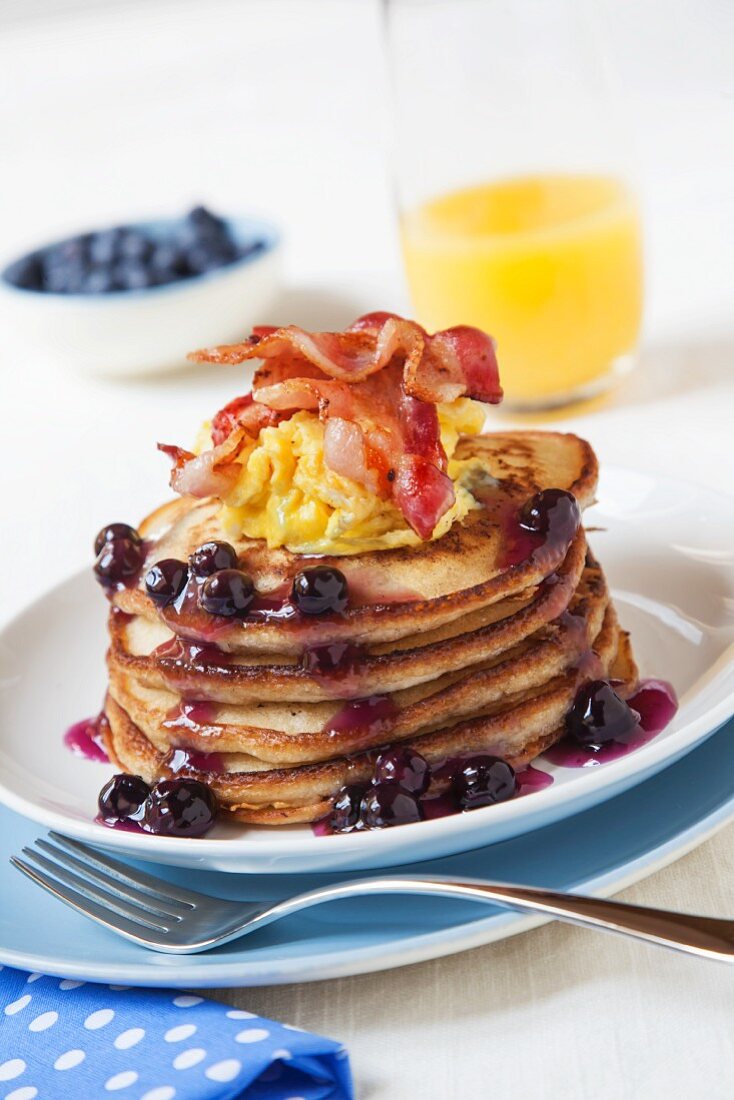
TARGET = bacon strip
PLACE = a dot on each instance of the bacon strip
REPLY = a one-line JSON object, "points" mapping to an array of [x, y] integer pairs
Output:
{"points": [[454, 363], [375, 385]]}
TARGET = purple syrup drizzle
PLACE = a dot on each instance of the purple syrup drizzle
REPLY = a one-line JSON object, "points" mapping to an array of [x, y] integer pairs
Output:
{"points": [[86, 739], [656, 703], [370, 716], [183, 759], [126, 826], [181, 652], [190, 714]]}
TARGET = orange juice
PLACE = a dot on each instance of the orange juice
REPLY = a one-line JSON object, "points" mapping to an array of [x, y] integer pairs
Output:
{"points": [[550, 265]]}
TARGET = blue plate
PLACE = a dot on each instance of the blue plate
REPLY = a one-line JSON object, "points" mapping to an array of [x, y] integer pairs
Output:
{"points": [[599, 851]]}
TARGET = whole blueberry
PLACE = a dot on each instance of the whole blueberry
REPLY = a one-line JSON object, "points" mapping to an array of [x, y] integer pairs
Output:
{"points": [[552, 512], [598, 715], [99, 281], [116, 531], [484, 780], [165, 580], [104, 246], [211, 557], [180, 807], [26, 272], [134, 245], [206, 224], [124, 797], [132, 275], [118, 560], [387, 804], [167, 262], [228, 592], [403, 766], [345, 813], [322, 590]]}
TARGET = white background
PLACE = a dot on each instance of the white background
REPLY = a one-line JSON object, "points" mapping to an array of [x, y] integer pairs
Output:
{"points": [[114, 110]]}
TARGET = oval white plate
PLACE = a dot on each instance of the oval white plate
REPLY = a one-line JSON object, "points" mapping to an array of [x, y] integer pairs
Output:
{"points": [[667, 550]]}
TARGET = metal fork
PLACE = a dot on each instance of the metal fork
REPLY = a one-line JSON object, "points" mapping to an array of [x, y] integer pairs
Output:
{"points": [[163, 917]]}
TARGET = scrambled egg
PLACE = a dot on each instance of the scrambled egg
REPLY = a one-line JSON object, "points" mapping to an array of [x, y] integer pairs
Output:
{"points": [[289, 497]]}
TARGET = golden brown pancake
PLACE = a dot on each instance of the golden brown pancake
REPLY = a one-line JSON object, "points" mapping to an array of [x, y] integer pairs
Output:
{"points": [[516, 728], [478, 636], [395, 593], [284, 732]]}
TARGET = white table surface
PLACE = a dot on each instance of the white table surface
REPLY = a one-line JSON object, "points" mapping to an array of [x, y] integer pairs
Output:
{"points": [[119, 109]]}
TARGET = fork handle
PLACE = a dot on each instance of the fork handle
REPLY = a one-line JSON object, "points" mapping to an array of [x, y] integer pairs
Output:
{"points": [[710, 937]]}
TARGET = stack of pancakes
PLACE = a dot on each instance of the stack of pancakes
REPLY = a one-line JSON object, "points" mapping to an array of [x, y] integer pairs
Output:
{"points": [[459, 646]]}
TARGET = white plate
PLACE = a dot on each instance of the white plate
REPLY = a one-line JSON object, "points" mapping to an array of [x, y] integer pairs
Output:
{"points": [[667, 550]]}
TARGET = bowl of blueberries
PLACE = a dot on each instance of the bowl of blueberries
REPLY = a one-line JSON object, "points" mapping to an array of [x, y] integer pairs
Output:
{"points": [[139, 297]]}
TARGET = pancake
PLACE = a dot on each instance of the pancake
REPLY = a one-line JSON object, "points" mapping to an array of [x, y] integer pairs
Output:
{"points": [[211, 674], [393, 593], [517, 729], [287, 732]]}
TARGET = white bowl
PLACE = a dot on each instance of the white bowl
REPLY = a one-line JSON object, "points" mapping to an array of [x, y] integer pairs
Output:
{"points": [[134, 331]]}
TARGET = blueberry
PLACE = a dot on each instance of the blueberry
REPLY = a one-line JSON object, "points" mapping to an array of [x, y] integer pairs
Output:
{"points": [[207, 224], [483, 781], [116, 531], [165, 580], [63, 277], [552, 512], [201, 258], [117, 561], [167, 263], [134, 245], [180, 807], [26, 272], [124, 797], [598, 715], [211, 557], [98, 281], [403, 766], [345, 814], [104, 247], [132, 275], [320, 591], [228, 592], [387, 804]]}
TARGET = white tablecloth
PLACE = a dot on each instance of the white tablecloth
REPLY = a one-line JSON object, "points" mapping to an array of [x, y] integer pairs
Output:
{"points": [[121, 109]]}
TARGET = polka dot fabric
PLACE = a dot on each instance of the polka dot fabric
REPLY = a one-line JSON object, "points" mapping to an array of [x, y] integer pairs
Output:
{"points": [[62, 1038]]}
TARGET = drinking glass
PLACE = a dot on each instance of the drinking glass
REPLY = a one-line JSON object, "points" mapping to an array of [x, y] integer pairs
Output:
{"points": [[512, 172]]}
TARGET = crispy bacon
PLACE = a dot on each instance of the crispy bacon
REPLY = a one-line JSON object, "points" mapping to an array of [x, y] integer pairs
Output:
{"points": [[375, 385], [454, 363], [242, 414], [206, 475]]}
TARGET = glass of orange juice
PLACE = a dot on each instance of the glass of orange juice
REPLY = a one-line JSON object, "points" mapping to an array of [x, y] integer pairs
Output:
{"points": [[516, 213]]}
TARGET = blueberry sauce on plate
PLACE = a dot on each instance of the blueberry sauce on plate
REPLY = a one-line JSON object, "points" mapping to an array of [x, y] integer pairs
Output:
{"points": [[654, 704], [86, 739]]}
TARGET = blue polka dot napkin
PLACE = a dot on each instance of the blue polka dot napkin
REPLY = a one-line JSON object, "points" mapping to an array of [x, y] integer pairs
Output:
{"points": [[62, 1039]]}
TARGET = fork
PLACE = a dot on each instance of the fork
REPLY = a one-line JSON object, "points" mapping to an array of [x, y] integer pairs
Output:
{"points": [[164, 917]]}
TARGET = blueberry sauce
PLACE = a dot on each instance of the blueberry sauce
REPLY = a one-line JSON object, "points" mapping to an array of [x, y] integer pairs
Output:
{"points": [[86, 739], [125, 825], [181, 653], [655, 702], [186, 617], [336, 666], [369, 717], [190, 714], [185, 760], [539, 530]]}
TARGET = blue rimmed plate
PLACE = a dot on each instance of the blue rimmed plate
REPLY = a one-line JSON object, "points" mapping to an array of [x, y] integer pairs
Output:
{"points": [[600, 851]]}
